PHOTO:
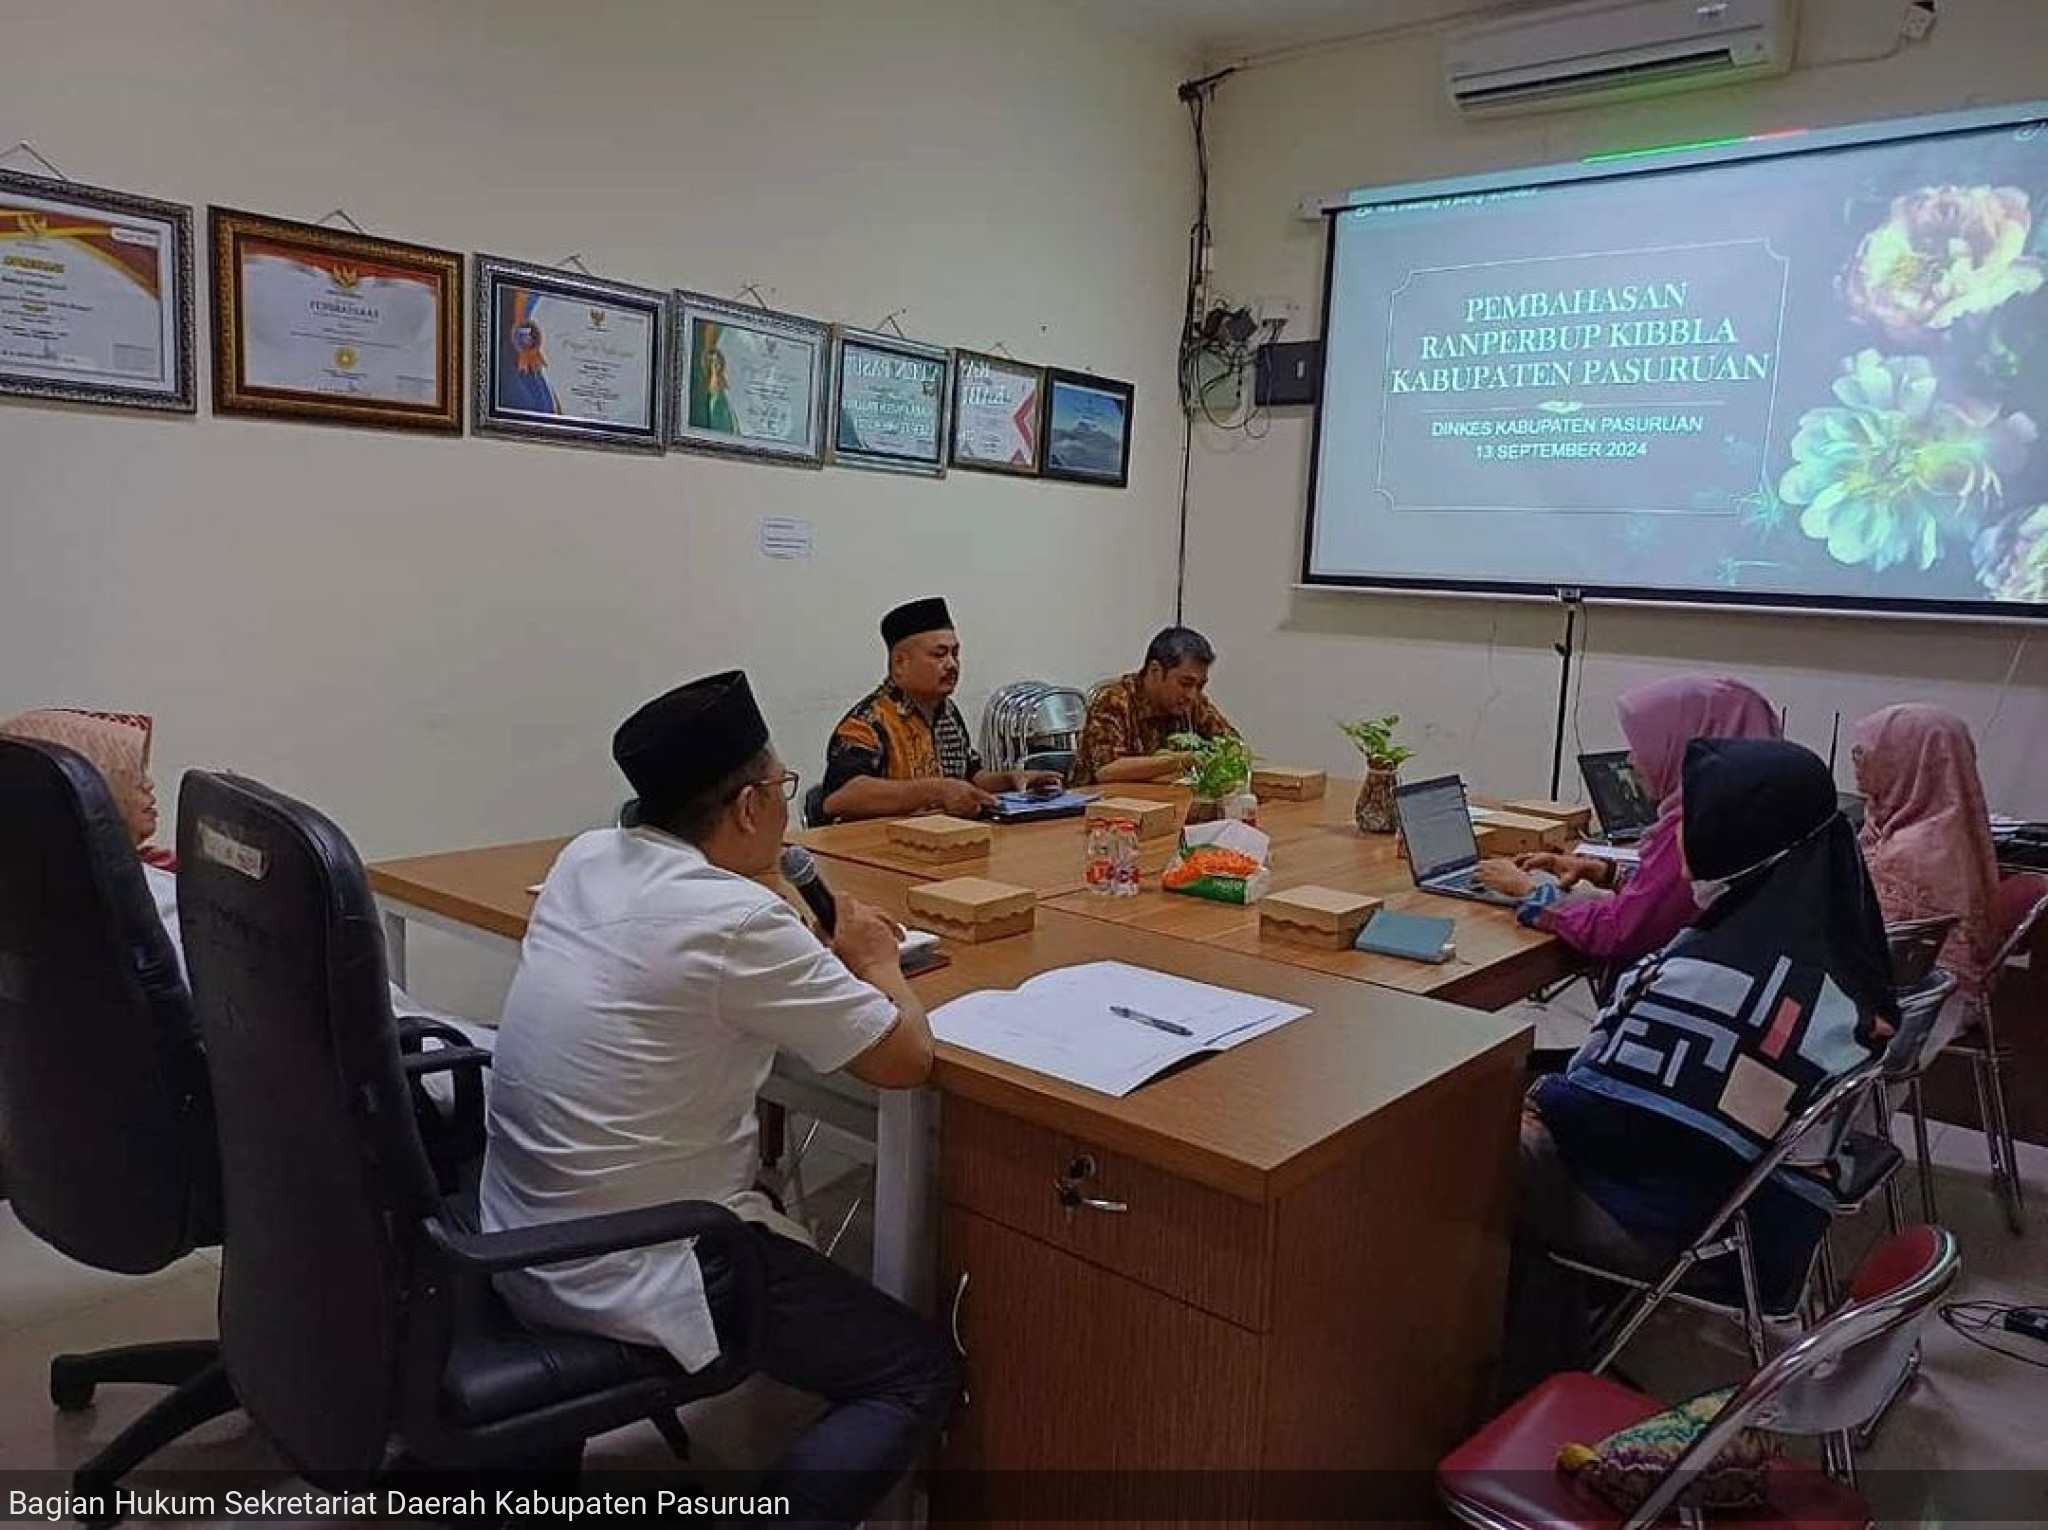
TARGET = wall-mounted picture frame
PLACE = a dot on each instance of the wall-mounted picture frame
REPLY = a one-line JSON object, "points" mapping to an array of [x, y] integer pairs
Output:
{"points": [[892, 402], [749, 381], [567, 357], [998, 414], [1087, 428], [95, 296], [334, 326]]}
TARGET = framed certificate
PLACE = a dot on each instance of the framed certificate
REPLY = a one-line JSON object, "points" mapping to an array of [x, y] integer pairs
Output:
{"points": [[1087, 428], [749, 382], [997, 408], [327, 324], [558, 356], [95, 295], [892, 402]]}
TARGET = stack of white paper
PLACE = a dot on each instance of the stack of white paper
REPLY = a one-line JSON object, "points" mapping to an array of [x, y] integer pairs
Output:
{"points": [[1065, 1023]]}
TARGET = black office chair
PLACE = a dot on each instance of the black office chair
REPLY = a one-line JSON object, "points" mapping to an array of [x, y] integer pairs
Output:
{"points": [[815, 816], [104, 1106], [357, 1316]]}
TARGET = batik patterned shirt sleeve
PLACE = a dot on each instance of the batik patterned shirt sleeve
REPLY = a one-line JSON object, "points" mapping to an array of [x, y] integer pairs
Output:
{"points": [[1120, 726], [1110, 730]]}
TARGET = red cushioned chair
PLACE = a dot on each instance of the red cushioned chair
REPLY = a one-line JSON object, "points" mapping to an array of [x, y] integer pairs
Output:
{"points": [[1839, 1373]]}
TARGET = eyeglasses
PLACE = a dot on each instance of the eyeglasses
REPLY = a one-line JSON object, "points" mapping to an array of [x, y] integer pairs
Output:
{"points": [[788, 781]]}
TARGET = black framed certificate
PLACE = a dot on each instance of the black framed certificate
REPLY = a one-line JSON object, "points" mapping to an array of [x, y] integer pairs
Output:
{"points": [[315, 323], [892, 402], [559, 356], [1087, 428], [749, 382], [998, 408], [95, 295]]}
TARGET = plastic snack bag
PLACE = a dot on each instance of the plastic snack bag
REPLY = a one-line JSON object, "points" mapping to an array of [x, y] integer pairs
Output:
{"points": [[1224, 861]]}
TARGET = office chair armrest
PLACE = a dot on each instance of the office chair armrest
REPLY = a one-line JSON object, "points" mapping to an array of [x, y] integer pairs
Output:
{"points": [[546, 1243], [414, 1029], [444, 1060]]}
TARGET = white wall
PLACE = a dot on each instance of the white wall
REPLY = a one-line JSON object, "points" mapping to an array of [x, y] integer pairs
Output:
{"points": [[1477, 680], [433, 638]]}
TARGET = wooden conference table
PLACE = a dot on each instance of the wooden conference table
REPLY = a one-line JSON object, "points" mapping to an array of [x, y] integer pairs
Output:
{"points": [[1287, 1257]]}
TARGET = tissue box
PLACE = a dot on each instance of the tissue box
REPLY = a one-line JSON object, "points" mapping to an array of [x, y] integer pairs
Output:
{"points": [[1519, 834], [1154, 819], [973, 908], [1223, 861], [937, 837], [1575, 818], [1288, 783], [1326, 917]]}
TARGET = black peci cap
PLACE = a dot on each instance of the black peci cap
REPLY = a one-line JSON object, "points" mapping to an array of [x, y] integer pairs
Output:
{"points": [[682, 742]]}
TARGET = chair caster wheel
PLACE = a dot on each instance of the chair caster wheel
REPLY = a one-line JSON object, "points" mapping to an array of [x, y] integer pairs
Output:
{"points": [[70, 1391]]}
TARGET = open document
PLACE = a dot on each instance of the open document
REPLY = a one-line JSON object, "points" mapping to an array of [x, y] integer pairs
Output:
{"points": [[1107, 1025]]}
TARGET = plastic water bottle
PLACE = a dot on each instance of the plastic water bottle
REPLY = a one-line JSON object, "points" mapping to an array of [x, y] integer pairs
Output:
{"points": [[1125, 878], [1098, 867]]}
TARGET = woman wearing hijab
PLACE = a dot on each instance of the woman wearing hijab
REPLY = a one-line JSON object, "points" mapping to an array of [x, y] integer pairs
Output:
{"points": [[1651, 902], [116, 744], [1713, 1046], [1927, 837]]}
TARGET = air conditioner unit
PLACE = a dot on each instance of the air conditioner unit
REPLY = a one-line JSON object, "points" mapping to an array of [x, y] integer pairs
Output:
{"points": [[1598, 51]]}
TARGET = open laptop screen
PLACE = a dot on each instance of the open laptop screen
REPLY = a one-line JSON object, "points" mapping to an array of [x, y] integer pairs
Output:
{"points": [[1437, 825], [1620, 799]]}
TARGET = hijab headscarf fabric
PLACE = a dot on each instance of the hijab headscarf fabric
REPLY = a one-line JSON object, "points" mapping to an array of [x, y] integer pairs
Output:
{"points": [[116, 744], [1660, 719], [1927, 831], [1762, 816]]}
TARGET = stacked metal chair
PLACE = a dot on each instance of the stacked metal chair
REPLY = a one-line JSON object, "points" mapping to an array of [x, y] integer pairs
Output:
{"points": [[1032, 725]]}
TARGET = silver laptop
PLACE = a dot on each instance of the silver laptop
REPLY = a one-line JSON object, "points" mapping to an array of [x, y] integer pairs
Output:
{"points": [[1436, 821]]}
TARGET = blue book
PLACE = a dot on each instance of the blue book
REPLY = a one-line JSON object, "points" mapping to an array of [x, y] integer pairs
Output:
{"points": [[1418, 937]]}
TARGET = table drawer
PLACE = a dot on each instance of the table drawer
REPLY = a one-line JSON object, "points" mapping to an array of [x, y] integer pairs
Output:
{"points": [[1191, 1242]]}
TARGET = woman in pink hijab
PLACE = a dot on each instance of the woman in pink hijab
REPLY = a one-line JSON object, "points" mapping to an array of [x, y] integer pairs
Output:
{"points": [[1927, 832], [116, 744], [1653, 901]]}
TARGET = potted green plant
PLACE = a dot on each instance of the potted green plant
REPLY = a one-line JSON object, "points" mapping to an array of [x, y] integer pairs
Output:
{"points": [[1374, 738], [1219, 769]]}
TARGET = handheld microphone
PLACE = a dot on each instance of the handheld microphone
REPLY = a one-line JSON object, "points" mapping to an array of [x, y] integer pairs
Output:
{"points": [[801, 872]]}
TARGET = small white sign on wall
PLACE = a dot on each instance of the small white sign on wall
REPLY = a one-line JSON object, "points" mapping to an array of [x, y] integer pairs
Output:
{"points": [[785, 537]]}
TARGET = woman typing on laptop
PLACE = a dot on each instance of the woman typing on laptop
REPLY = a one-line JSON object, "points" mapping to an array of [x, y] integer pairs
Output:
{"points": [[1633, 911]]}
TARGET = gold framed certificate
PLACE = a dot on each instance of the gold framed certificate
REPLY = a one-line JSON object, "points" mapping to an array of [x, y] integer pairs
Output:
{"points": [[997, 409], [95, 295], [325, 324], [560, 356]]}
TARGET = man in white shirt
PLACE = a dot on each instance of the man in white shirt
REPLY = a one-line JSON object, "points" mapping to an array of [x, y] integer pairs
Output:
{"points": [[657, 981]]}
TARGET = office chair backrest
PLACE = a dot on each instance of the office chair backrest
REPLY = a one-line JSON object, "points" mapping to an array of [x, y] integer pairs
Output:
{"points": [[1839, 1374], [103, 1096], [322, 1167], [1916, 946]]}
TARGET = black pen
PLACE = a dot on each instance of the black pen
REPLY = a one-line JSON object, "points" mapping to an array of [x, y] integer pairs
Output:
{"points": [[1171, 1027]]}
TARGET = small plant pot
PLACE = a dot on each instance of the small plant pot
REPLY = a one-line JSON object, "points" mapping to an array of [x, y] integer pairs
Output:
{"points": [[1204, 810], [1374, 813]]}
